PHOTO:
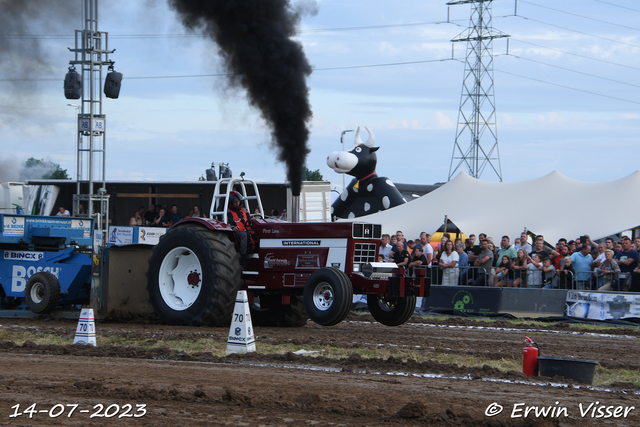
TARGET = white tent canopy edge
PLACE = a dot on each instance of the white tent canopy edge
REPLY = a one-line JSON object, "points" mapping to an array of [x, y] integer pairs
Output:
{"points": [[553, 205]]}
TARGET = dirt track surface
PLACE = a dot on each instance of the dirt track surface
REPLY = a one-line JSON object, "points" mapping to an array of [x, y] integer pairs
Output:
{"points": [[180, 389]]}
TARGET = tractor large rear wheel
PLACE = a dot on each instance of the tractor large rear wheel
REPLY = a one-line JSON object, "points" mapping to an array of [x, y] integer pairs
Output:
{"points": [[392, 311], [194, 275], [328, 296]]}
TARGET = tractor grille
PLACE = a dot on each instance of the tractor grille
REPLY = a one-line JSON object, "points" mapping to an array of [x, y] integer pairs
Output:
{"points": [[364, 253]]}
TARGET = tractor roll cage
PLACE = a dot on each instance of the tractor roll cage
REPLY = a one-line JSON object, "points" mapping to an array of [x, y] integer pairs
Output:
{"points": [[231, 184]]}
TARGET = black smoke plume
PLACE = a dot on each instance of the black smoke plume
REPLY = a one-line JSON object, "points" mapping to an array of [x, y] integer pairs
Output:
{"points": [[254, 39]]}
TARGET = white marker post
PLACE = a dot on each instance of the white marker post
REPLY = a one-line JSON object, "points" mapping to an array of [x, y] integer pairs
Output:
{"points": [[241, 339], [86, 331]]}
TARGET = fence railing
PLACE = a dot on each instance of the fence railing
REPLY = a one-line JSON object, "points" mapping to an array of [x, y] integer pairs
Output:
{"points": [[532, 277]]}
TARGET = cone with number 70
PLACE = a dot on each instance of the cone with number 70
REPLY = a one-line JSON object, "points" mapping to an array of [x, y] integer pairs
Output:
{"points": [[86, 330], [241, 339]]}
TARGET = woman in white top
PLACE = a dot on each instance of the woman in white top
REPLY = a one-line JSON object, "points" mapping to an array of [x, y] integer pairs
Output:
{"points": [[448, 262], [136, 219]]}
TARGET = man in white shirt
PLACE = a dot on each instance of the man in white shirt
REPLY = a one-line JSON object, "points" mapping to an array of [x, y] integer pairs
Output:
{"points": [[385, 248], [63, 212], [427, 249], [524, 244]]}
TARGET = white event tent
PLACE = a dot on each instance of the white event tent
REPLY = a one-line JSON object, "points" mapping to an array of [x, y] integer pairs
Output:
{"points": [[553, 205]]}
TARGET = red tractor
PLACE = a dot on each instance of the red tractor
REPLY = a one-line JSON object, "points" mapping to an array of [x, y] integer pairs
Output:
{"points": [[295, 271]]}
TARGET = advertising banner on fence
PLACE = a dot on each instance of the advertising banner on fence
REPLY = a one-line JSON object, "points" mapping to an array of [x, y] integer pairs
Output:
{"points": [[150, 235], [602, 306], [123, 235], [120, 235], [464, 299]]}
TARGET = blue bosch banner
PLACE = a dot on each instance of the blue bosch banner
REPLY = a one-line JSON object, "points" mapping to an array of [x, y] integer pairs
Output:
{"points": [[16, 267]]}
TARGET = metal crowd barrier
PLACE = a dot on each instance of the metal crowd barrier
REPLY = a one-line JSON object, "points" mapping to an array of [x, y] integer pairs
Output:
{"points": [[587, 280], [465, 276]]}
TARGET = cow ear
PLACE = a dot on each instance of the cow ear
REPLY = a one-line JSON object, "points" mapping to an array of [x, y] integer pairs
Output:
{"points": [[374, 149]]}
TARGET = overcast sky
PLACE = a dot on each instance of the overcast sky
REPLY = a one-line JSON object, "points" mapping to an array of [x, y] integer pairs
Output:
{"points": [[567, 95]]}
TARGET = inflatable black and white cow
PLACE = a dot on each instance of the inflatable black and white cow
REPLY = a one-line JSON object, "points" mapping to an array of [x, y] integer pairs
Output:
{"points": [[368, 193]]}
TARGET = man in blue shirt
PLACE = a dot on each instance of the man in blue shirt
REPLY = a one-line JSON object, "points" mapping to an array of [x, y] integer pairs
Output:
{"points": [[463, 263], [582, 266]]}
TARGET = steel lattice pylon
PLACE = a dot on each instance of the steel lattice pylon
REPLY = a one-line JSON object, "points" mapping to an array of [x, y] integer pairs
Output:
{"points": [[477, 115]]}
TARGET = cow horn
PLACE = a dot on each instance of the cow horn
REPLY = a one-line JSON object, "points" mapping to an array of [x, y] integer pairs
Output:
{"points": [[357, 139], [371, 140]]}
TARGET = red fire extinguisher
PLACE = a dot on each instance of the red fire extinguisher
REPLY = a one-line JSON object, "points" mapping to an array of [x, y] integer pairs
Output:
{"points": [[530, 358]]}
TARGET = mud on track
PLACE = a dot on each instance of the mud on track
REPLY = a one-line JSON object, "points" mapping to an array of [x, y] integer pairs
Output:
{"points": [[182, 389]]}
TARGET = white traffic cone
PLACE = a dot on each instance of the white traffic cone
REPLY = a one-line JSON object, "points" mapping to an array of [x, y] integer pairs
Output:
{"points": [[86, 331], [241, 339]]}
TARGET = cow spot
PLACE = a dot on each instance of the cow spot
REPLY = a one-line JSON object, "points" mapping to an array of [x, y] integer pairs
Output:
{"points": [[370, 188], [344, 195], [386, 202], [355, 190], [331, 210], [351, 215], [367, 206], [389, 183]]}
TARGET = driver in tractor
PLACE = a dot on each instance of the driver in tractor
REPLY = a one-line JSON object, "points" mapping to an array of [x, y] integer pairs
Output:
{"points": [[240, 223]]}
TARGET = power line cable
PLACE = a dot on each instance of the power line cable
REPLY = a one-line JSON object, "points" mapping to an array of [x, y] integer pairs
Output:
{"points": [[576, 54], [573, 71], [576, 31], [372, 27], [390, 64], [580, 16], [183, 35], [374, 66], [569, 87], [616, 5], [384, 65]]}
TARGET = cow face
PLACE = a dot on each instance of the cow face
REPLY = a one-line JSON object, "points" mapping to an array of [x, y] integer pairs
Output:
{"points": [[359, 161]]}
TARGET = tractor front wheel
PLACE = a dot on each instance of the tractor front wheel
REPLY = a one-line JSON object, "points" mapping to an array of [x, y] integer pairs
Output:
{"points": [[391, 311], [328, 296]]}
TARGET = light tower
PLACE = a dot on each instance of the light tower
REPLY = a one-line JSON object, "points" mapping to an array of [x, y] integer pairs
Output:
{"points": [[91, 54], [477, 115]]}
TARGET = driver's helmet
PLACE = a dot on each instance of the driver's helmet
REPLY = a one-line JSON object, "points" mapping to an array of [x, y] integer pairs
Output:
{"points": [[234, 196]]}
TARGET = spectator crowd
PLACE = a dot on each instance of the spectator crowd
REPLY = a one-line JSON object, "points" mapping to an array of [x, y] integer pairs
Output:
{"points": [[580, 264], [163, 216]]}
